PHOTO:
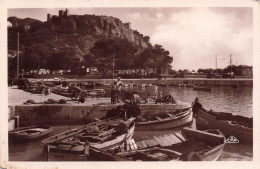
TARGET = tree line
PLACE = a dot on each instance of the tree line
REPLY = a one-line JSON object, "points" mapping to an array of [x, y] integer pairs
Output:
{"points": [[105, 53], [236, 70]]}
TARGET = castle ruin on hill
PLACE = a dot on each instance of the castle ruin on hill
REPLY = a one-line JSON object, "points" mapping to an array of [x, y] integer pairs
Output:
{"points": [[62, 13]]}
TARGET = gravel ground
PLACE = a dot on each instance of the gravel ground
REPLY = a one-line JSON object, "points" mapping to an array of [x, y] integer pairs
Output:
{"points": [[18, 97]]}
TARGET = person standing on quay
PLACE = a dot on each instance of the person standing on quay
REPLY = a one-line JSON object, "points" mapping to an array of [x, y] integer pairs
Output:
{"points": [[113, 92], [118, 89]]}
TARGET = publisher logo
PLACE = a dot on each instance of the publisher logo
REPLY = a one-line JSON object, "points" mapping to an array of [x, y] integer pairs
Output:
{"points": [[232, 139]]}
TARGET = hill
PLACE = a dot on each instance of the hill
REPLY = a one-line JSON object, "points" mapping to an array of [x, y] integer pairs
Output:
{"points": [[71, 42], [77, 32]]}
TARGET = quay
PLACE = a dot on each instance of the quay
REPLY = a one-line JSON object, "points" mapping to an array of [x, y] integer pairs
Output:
{"points": [[71, 113], [241, 81]]}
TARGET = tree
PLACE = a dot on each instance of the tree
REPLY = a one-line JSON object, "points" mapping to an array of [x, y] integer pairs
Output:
{"points": [[31, 59], [104, 50], [12, 66], [154, 57]]}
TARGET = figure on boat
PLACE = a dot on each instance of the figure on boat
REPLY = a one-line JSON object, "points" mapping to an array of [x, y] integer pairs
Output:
{"points": [[196, 106]]}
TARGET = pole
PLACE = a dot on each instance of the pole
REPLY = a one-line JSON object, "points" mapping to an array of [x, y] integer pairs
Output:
{"points": [[230, 65], [17, 71], [113, 66], [216, 64]]}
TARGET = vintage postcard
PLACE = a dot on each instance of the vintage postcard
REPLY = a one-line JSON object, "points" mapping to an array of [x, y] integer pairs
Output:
{"points": [[129, 84]]}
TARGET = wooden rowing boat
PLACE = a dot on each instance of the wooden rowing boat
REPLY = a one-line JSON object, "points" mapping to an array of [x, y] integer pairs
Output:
{"points": [[65, 94], [164, 121], [104, 134], [231, 125], [186, 145], [29, 133], [201, 88]]}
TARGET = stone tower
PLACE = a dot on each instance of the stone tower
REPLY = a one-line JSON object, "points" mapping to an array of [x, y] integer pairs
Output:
{"points": [[61, 13], [48, 17]]}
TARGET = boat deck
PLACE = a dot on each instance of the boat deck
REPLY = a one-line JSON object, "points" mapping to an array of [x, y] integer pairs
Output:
{"points": [[175, 141]]}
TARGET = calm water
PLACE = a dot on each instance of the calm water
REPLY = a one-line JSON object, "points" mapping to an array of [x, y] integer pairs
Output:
{"points": [[226, 99]]}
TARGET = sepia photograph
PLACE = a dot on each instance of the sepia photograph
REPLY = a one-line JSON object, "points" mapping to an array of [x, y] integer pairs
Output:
{"points": [[124, 83]]}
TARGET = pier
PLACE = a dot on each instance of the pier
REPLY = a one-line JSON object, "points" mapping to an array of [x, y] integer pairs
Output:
{"points": [[71, 113], [170, 81]]}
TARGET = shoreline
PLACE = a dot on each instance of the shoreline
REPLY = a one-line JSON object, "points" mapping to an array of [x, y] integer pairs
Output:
{"points": [[166, 81]]}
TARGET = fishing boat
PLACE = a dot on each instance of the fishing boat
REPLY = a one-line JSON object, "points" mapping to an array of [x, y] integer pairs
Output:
{"points": [[165, 120], [182, 85], [201, 88], [29, 133], [150, 85], [186, 145], [125, 85], [234, 86], [231, 125], [163, 84], [95, 92], [87, 85], [104, 134], [63, 93]]}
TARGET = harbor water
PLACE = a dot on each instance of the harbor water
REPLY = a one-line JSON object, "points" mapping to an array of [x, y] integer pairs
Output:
{"points": [[225, 99]]}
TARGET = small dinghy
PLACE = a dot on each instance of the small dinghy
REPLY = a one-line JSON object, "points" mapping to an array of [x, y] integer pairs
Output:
{"points": [[29, 133]]}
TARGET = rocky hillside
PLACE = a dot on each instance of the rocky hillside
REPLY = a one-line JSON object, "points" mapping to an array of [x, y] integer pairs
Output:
{"points": [[77, 33], [16, 22]]}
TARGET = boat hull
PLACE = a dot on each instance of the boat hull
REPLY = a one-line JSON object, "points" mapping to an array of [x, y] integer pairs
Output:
{"points": [[207, 121], [185, 119], [201, 88], [78, 154], [208, 147], [213, 155], [17, 136]]}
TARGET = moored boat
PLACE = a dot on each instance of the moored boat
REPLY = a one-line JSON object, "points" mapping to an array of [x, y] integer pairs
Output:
{"points": [[95, 92], [163, 84], [165, 120], [231, 125], [186, 145], [201, 88], [234, 86], [104, 134], [29, 133]]}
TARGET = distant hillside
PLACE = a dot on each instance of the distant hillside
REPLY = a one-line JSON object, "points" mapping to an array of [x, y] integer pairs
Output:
{"points": [[76, 33]]}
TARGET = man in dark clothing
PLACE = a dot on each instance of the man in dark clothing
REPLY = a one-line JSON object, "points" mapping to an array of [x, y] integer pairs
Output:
{"points": [[118, 89], [195, 107], [113, 92]]}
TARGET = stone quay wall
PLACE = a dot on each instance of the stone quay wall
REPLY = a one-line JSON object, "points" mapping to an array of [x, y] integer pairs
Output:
{"points": [[74, 114], [176, 81]]}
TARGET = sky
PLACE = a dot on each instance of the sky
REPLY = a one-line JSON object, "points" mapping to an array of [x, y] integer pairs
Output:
{"points": [[195, 37]]}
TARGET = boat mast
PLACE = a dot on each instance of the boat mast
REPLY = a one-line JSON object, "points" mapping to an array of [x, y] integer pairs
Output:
{"points": [[17, 71]]}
